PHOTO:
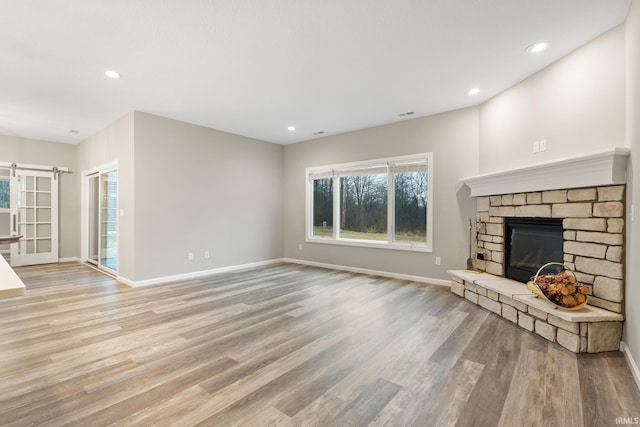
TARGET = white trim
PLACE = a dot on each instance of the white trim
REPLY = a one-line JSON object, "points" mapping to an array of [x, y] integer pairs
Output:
{"points": [[196, 274], [632, 363], [364, 163], [69, 259], [379, 244], [420, 279], [608, 167]]}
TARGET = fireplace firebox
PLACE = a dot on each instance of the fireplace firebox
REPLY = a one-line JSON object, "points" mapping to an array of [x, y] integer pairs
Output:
{"points": [[530, 243]]}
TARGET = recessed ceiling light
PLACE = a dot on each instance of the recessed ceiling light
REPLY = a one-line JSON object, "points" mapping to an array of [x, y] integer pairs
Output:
{"points": [[292, 128], [474, 91], [537, 47], [112, 74]]}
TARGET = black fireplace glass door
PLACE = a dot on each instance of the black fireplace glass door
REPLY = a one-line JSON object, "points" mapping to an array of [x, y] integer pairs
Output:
{"points": [[532, 242]]}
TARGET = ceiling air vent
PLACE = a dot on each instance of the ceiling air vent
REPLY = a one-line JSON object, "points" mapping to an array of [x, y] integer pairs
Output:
{"points": [[408, 113], [321, 132]]}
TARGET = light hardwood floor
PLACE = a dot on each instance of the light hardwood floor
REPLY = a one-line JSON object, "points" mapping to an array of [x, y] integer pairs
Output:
{"points": [[286, 346]]}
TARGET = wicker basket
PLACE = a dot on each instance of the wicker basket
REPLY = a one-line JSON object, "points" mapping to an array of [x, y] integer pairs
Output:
{"points": [[533, 287]]}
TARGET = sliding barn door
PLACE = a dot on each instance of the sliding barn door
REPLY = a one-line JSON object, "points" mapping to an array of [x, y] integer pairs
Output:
{"points": [[34, 216]]}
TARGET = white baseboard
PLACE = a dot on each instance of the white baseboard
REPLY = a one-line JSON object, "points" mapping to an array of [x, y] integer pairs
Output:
{"points": [[70, 259], [632, 363], [420, 279], [196, 274]]}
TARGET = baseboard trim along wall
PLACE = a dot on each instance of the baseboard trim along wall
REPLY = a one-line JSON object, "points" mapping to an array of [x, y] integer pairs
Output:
{"points": [[196, 274], [420, 279], [70, 259], [631, 362]]}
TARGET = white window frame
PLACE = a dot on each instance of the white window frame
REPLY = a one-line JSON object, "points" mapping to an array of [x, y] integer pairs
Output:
{"points": [[333, 171]]}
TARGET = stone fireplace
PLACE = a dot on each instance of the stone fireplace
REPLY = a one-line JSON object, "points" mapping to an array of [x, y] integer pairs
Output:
{"points": [[586, 195], [593, 220]]}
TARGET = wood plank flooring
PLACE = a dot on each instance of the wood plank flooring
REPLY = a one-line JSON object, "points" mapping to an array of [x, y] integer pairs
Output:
{"points": [[286, 346]]}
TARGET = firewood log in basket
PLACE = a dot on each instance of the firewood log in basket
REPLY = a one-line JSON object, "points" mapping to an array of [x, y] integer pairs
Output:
{"points": [[560, 289]]}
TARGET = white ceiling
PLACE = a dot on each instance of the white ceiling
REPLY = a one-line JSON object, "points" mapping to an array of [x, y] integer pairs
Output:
{"points": [[254, 67]]}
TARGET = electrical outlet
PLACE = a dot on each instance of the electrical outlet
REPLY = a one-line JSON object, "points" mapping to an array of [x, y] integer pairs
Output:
{"points": [[438, 260], [190, 256], [536, 146], [299, 246], [206, 254], [543, 145]]}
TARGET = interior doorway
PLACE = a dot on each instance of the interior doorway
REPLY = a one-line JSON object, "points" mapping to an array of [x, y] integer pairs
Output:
{"points": [[100, 218]]}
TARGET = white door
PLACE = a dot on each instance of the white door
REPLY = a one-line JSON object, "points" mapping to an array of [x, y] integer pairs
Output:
{"points": [[34, 216]]}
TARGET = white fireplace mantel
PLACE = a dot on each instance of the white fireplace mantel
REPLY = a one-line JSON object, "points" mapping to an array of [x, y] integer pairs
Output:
{"points": [[595, 169]]}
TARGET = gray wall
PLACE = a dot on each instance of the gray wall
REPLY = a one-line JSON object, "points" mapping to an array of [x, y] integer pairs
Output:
{"points": [[22, 150], [453, 139], [199, 189], [632, 325], [115, 143], [577, 104]]}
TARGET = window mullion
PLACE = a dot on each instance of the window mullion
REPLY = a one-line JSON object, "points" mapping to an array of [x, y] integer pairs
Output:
{"points": [[336, 207], [390, 207]]}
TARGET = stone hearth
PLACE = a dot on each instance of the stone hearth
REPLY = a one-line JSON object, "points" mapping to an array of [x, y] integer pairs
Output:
{"points": [[590, 330]]}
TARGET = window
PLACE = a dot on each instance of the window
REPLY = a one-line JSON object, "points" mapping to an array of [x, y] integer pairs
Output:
{"points": [[5, 194], [380, 203]]}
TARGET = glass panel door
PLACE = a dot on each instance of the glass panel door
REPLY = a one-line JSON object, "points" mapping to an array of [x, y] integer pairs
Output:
{"points": [[93, 219], [34, 216], [109, 220]]}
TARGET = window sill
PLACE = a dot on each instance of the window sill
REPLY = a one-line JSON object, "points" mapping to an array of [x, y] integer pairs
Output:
{"points": [[414, 247]]}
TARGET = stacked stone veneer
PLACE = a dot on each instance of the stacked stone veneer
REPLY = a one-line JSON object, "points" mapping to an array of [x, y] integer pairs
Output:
{"points": [[593, 237], [589, 330]]}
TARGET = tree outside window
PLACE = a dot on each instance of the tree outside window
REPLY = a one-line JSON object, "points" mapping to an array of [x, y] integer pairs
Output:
{"points": [[323, 207]]}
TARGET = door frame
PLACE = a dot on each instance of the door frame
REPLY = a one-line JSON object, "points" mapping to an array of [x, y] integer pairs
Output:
{"points": [[84, 210]]}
